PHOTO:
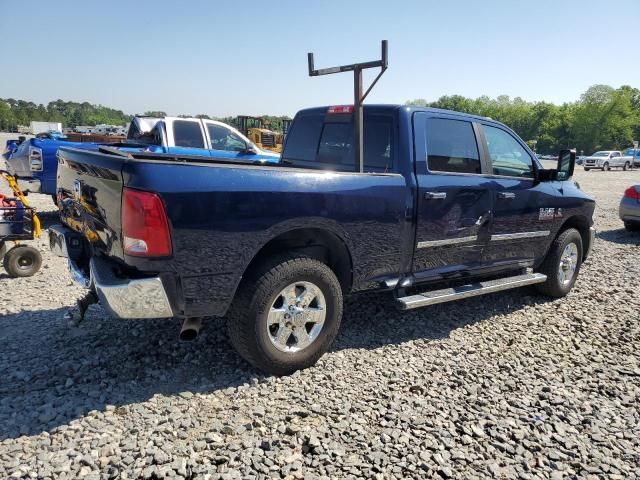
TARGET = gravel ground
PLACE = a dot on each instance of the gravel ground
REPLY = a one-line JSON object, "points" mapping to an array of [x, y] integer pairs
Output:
{"points": [[510, 385]]}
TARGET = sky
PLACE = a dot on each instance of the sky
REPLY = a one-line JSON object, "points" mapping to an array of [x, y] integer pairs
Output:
{"points": [[250, 57]]}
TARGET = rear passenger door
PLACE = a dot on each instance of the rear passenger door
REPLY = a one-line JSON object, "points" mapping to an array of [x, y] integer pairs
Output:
{"points": [[454, 200], [186, 137], [517, 232]]}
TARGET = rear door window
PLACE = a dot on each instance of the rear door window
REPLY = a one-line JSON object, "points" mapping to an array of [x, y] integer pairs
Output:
{"points": [[452, 146], [187, 134]]}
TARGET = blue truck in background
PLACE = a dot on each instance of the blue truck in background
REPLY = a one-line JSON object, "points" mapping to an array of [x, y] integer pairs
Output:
{"points": [[34, 164], [33, 161], [447, 206]]}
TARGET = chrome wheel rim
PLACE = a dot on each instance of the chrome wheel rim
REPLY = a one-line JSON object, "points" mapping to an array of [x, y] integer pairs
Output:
{"points": [[568, 264], [296, 317]]}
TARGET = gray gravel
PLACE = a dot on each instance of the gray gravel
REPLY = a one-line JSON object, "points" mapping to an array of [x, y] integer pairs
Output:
{"points": [[510, 385]]}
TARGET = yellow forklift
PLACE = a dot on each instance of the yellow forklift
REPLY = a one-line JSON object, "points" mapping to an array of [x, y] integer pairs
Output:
{"points": [[258, 130], [18, 223]]}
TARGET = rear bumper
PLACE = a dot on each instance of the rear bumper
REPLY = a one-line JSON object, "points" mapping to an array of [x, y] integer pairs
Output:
{"points": [[122, 297]]}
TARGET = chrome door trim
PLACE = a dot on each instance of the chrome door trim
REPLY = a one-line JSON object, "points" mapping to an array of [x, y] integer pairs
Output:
{"points": [[448, 241], [520, 235]]}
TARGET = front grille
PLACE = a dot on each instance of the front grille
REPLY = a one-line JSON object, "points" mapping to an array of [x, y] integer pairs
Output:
{"points": [[268, 140]]}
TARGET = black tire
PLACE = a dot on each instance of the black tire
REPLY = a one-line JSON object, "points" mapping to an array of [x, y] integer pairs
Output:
{"points": [[586, 169], [553, 287], [632, 226], [22, 261], [247, 319], [55, 199], [606, 167], [626, 166]]}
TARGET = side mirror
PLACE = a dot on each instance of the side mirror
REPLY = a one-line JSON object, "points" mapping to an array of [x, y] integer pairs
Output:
{"points": [[251, 150], [566, 164]]}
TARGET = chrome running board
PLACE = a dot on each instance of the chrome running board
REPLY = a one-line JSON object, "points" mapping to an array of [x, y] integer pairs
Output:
{"points": [[470, 290]]}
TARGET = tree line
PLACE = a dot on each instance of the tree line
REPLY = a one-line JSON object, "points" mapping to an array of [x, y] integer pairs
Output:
{"points": [[14, 113], [71, 114], [603, 118]]}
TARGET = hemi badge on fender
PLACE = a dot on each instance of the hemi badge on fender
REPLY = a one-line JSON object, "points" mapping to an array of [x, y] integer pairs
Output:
{"points": [[550, 213]]}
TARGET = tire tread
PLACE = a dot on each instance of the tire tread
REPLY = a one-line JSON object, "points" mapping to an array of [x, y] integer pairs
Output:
{"points": [[255, 289], [549, 266]]}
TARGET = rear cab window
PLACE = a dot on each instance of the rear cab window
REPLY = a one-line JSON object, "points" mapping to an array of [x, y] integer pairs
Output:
{"points": [[326, 141]]}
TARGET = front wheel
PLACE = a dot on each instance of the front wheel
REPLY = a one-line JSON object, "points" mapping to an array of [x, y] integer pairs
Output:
{"points": [[562, 264], [626, 166], [286, 315], [606, 167], [22, 261], [586, 169]]}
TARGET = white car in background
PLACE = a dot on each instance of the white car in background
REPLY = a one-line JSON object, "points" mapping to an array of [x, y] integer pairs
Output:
{"points": [[606, 160]]}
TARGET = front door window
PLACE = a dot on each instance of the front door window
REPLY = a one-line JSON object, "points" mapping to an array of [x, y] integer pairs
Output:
{"points": [[508, 157]]}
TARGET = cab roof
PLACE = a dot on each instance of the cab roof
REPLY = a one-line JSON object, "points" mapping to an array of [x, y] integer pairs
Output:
{"points": [[409, 109]]}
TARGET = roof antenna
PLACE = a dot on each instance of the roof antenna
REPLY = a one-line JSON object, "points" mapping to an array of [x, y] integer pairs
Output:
{"points": [[358, 96]]}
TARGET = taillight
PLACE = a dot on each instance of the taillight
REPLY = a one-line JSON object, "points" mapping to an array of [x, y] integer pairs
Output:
{"points": [[631, 192], [145, 228], [35, 159]]}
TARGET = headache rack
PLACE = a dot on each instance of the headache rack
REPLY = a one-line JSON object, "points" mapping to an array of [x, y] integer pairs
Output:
{"points": [[358, 96]]}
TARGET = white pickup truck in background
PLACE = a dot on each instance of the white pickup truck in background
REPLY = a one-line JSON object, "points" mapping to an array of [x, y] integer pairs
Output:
{"points": [[606, 160]]}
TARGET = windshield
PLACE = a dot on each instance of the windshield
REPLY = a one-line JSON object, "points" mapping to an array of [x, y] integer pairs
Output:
{"points": [[600, 154]]}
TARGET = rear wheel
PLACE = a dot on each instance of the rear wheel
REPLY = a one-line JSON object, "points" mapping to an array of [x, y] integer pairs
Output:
{"points": [[286, 315], [626, 166], [22, 261], [632, 226], [562, 264]]}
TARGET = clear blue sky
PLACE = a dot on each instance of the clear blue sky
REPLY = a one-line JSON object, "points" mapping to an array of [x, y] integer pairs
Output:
{"points": [[227, 58]]}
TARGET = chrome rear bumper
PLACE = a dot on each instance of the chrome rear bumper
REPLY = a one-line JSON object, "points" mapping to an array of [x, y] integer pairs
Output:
{"points": [[122, 297]]}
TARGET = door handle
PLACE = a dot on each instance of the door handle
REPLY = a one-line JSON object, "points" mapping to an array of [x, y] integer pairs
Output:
{"points": [[506, 195], [435, 195]]}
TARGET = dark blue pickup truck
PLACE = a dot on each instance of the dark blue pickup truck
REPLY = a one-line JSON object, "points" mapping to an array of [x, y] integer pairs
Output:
{"points": [[449, 206]]}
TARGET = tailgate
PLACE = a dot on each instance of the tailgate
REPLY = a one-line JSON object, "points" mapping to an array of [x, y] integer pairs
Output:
{"points": [[89, 186]]}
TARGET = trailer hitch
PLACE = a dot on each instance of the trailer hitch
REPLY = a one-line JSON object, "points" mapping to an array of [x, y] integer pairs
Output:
{"points": [[75, 316]]}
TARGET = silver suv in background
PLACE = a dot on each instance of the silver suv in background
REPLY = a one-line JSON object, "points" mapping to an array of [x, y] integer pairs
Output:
{"points": [[606, 160]]}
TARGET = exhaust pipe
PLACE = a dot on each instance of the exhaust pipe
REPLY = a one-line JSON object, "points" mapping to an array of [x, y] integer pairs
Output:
{"points": [[190, 328]]}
